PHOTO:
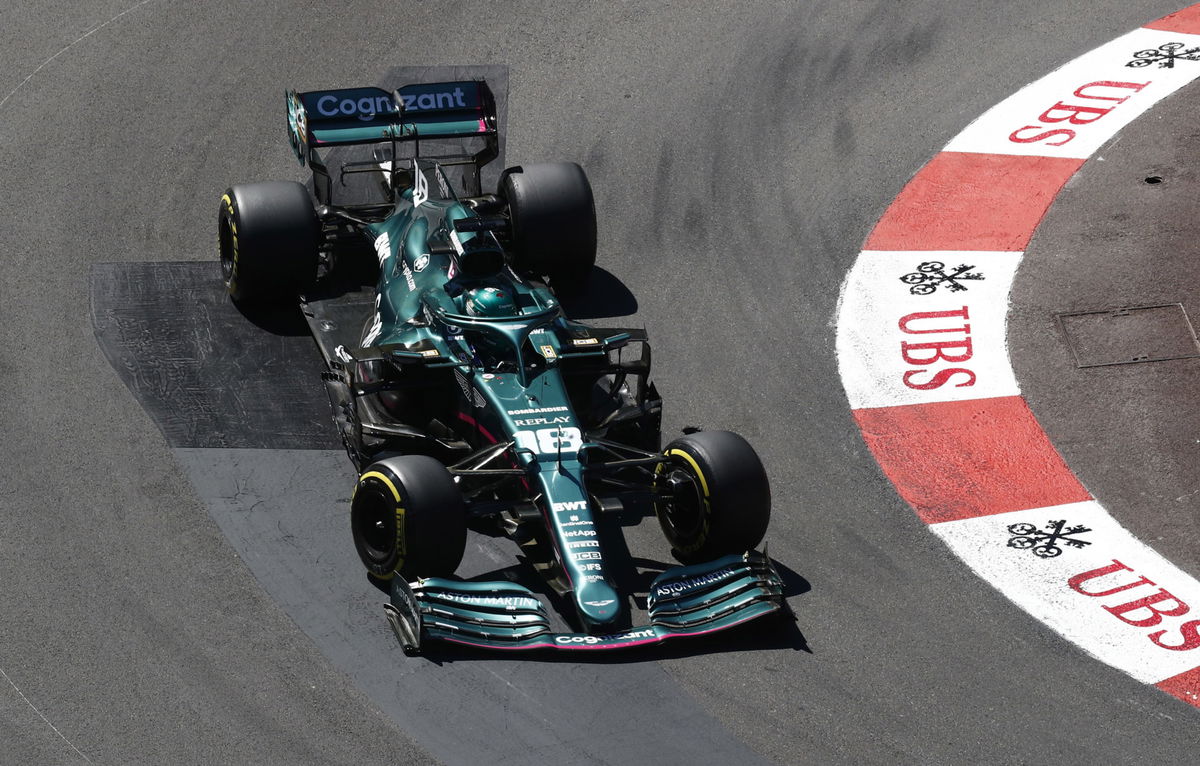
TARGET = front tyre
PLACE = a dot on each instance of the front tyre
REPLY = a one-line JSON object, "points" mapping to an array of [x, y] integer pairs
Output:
{"points": [[714, 496], [408, 516], [267, 234]]}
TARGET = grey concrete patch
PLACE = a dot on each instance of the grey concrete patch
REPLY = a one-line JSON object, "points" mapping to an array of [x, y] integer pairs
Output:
{"points": [[286, 512], [208, 374]]}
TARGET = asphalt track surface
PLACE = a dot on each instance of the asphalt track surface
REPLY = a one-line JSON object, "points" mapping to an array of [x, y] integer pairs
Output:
{"points": [[740, 154], [1120, 236]]}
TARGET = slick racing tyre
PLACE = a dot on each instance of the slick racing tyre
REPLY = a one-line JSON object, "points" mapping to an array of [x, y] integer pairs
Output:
{"points": [[714, 497], [553, 220], [267, 234], [408, 516]]}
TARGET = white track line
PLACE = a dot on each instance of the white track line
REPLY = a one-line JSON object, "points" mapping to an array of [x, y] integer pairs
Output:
{"points": [[3, 101], [70, 45], [44, 718]]}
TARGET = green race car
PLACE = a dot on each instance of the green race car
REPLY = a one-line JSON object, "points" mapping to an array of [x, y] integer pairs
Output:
{"points": [[468, 400]]}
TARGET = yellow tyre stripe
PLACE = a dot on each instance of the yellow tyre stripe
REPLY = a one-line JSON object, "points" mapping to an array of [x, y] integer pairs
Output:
{"points": [[385, 479], [695, 467], [401, 541], [703, 488], [233, 232]]}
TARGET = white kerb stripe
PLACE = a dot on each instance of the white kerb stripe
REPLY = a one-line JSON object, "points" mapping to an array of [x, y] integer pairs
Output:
{"points": [[1037, 120], [1112, 563], [888, 337]]}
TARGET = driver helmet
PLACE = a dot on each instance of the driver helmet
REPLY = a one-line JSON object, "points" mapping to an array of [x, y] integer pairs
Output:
{"points": [[489, 302]]}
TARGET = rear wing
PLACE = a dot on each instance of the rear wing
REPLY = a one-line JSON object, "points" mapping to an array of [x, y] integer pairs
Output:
{"points": [[367, 115], [348, 116]]}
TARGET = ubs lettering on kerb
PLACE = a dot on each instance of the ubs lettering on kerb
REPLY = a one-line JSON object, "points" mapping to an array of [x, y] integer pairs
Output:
{"points": [[1061, 122], [1073, 111], [1089, 579], [936, 363], [922, 327]]}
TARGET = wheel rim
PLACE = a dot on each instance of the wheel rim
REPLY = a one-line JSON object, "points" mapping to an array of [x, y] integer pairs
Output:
{"points": [[376, 524], [226, 247], [685, 512]]}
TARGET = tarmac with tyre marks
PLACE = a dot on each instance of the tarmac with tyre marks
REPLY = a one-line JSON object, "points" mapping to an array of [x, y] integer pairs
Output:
{"points": [[203, 603]]}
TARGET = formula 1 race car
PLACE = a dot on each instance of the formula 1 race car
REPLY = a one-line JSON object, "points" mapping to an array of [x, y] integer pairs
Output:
{"points": [[468, 400]]}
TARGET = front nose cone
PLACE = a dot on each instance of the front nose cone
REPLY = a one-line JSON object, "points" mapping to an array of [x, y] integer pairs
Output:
{"points": [[599, 606]]}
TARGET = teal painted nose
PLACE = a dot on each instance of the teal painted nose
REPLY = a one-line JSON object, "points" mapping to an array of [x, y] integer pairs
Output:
{"points": [[599, 605]]}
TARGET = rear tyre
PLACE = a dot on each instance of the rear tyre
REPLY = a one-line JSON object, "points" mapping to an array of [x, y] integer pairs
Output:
{"points": [[553, 219], [267, 234], [717, 499], [408, 516]]}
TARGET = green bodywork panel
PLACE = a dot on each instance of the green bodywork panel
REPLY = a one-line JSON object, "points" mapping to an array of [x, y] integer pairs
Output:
{"points": [[518, 393]]}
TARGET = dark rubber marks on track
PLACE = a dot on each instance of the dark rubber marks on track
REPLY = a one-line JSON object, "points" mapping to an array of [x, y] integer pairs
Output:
{"points": [[209, 375]]}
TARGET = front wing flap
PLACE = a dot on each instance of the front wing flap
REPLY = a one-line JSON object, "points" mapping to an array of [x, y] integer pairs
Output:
{"points": [[684, 601]]}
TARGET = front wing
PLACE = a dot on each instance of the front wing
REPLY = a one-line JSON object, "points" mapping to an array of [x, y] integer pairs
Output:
{"points": [[684, 601]]}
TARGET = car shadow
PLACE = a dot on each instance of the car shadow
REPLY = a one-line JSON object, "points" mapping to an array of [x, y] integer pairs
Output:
{"points": [[354, 275], [282, 319], [604, 296]]}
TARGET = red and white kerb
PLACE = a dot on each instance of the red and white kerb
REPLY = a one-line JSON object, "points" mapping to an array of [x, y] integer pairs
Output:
{"points": [[927, 372]]}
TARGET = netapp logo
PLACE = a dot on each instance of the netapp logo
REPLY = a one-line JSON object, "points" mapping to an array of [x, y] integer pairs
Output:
{"points": [[368, 107]]}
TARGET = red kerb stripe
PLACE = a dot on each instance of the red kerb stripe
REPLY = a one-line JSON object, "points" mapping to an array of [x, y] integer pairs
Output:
{"points": [[1185, 686], [965, 201], [961, 460], [1186, 21]]}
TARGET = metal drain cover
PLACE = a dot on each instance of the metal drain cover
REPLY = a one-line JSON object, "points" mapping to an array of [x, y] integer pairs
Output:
{"points": [[1129, 335]]}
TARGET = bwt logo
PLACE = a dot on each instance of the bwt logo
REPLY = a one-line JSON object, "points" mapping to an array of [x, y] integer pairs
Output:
{"points": [[574, 505], [368, 107]]}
